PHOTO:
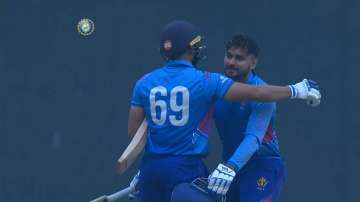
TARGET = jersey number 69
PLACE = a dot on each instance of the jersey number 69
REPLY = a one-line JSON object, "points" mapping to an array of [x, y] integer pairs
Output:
{"points": [[161, 104]]}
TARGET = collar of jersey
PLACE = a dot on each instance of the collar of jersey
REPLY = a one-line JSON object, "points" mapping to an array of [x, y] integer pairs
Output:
{"points": [[251, 78], [178, 63]]}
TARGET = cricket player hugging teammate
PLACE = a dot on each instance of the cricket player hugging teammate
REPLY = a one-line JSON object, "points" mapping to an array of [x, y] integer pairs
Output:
{"points": [[177, 100]]}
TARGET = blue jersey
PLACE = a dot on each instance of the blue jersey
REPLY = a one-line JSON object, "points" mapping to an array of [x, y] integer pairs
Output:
{"points": [[177, 99], [237, 120]]}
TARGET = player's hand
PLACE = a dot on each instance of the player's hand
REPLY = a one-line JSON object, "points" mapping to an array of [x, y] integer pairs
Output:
{"points": [[221, 178], [308, 90], [133, 185]]}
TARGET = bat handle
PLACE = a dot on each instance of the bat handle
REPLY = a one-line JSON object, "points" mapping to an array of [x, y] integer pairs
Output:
{"points": [[100, 199], [119, 195], [115, 197]]}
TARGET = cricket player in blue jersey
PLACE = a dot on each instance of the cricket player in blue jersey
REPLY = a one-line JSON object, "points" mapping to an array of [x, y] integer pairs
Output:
{"points": [[246, 128], [176, 100]]}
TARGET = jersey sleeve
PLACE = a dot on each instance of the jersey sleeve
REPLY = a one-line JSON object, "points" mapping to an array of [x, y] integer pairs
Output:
{"points": [[259, 119], [137, 99], [216, 85], [255, 131]]}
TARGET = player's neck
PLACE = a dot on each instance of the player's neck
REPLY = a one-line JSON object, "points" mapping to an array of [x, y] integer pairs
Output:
{"points": [[243, 78], [186, 57]]}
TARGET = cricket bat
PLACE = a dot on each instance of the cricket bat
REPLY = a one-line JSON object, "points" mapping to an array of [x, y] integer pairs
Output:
{"points": [[115, 197], [133, 150]]}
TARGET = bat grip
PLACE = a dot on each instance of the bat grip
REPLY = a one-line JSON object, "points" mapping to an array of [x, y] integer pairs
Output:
{"points": [[119, 195]]}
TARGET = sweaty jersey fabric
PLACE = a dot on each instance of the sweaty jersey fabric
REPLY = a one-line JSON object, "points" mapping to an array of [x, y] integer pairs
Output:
{"points": [[177, 100], [237, 120]]}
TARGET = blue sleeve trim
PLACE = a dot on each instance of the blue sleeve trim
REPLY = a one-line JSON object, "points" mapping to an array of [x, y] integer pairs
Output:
{"points": [[136, 104], [136, 99], [293, 91], [260, 119], [233, 164], [226, 87]]}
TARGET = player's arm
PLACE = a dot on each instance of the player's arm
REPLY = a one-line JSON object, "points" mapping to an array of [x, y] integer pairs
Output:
{"points": [[137, 130], [221, 178], [240, 91], [306, 89], [138, 141], [255, 131], [136, 117], [221, 87]]}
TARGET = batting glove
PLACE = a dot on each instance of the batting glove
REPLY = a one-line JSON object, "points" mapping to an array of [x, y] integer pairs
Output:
{"points": [[307, 90], [221, 178]]}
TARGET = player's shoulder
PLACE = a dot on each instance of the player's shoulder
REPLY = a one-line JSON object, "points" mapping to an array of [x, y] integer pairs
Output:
{"points": [[214, 75], [197, 74], [148, 76], [196, 71]]}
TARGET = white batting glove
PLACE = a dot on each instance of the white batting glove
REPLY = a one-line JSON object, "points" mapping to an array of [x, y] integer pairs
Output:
{"points": [[221, 178], [307, 90]]}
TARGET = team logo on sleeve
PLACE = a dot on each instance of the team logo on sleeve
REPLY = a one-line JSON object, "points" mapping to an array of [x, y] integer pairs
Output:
{"points": [[261, 183], [86, 27], [167, 45]]}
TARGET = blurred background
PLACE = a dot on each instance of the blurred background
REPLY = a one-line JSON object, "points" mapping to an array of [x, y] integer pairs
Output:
{"points": [[64, 98]]}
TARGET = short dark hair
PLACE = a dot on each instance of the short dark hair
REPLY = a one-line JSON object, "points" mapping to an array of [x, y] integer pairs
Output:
{"points": [[177, 56], [245, 42]]}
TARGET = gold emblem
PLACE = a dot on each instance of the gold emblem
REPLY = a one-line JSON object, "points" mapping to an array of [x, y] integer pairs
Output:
{"points": [[86, 27], [261, 183], [195, 40]]}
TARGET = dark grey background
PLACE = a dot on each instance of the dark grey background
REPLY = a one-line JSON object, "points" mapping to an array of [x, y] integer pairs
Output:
{"points": [[65, 98]]}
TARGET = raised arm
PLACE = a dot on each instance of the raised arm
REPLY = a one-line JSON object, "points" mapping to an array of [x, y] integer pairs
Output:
{"points": [[306, 89], [240, 91]]}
